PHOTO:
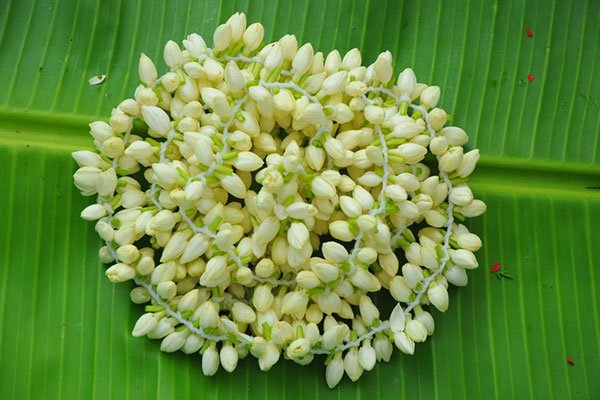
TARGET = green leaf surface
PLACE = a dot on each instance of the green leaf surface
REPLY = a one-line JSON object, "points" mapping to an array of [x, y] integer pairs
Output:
{"points": [[65, 329]]}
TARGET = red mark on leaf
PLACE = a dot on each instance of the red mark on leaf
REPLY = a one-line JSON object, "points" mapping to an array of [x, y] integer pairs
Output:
{"points": [[495, 268], [570, 361], [529, 32], [530, 77]]}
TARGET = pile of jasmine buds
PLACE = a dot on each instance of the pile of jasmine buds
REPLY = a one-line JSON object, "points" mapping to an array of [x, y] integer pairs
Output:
{"points": [[259, 195]]}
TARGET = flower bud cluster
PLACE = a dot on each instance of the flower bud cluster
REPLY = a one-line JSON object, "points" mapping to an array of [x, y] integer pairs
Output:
{"points": [[259, 195]]}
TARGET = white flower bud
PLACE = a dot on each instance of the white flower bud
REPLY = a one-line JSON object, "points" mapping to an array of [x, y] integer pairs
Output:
{"points": [[334, 336], [242, 312], [214, 70], [175, 246], [396, 193], [450, 160], [229, 358], [364, 198], [145, 324], [173, 341], [237, 22], [438, 296], [120, 273], [341, 231], [367, 357], [234, 185], [335, 83], [321, 187], [438, 145], [399, 289], [404, 343], [234, 77], [93, 212], [262, 298], [139, 150], [163, 273], [367, 223], [407, 82], [253, 37], [326, 272], [383, 348], [289, 46], [210, 361], [268, 358], [437, 118], [351, 365], [301, 210], [468, 162], [106, 182], [222, 37], [454, 135], [195, 45], [208, 315], [105, 230], [189, 301], [298, 349], [370, 179], [383, 67], [281, 332], [456, 275], [145, 266], [365, 280], [475, 209], [248, 161], [294, 303], [192, 344], [332, 62], [197, 245], [335, 370], [128, 253], [172, 54], [412, 153], [368, 310], [315, 157], [167, 290], [164, 327], [101, 131], [464, 258], [308, 279], [352, 59], [416, 331], [461, 195], [374, 114], [157, 119], [266, 231], [297, 235], [147, 70], [468, 241], [412, 274], [170, 81], [274, 57], [86, 158], [435, 218], [367, 255], [216, 100], [165, 175], [334, 252], [350, 206], [216, 272], [430, 96], [303, 59], [244, 276]]}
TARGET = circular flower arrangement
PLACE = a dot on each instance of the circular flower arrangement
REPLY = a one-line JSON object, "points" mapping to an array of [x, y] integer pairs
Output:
{"points": [[258, 196]]}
